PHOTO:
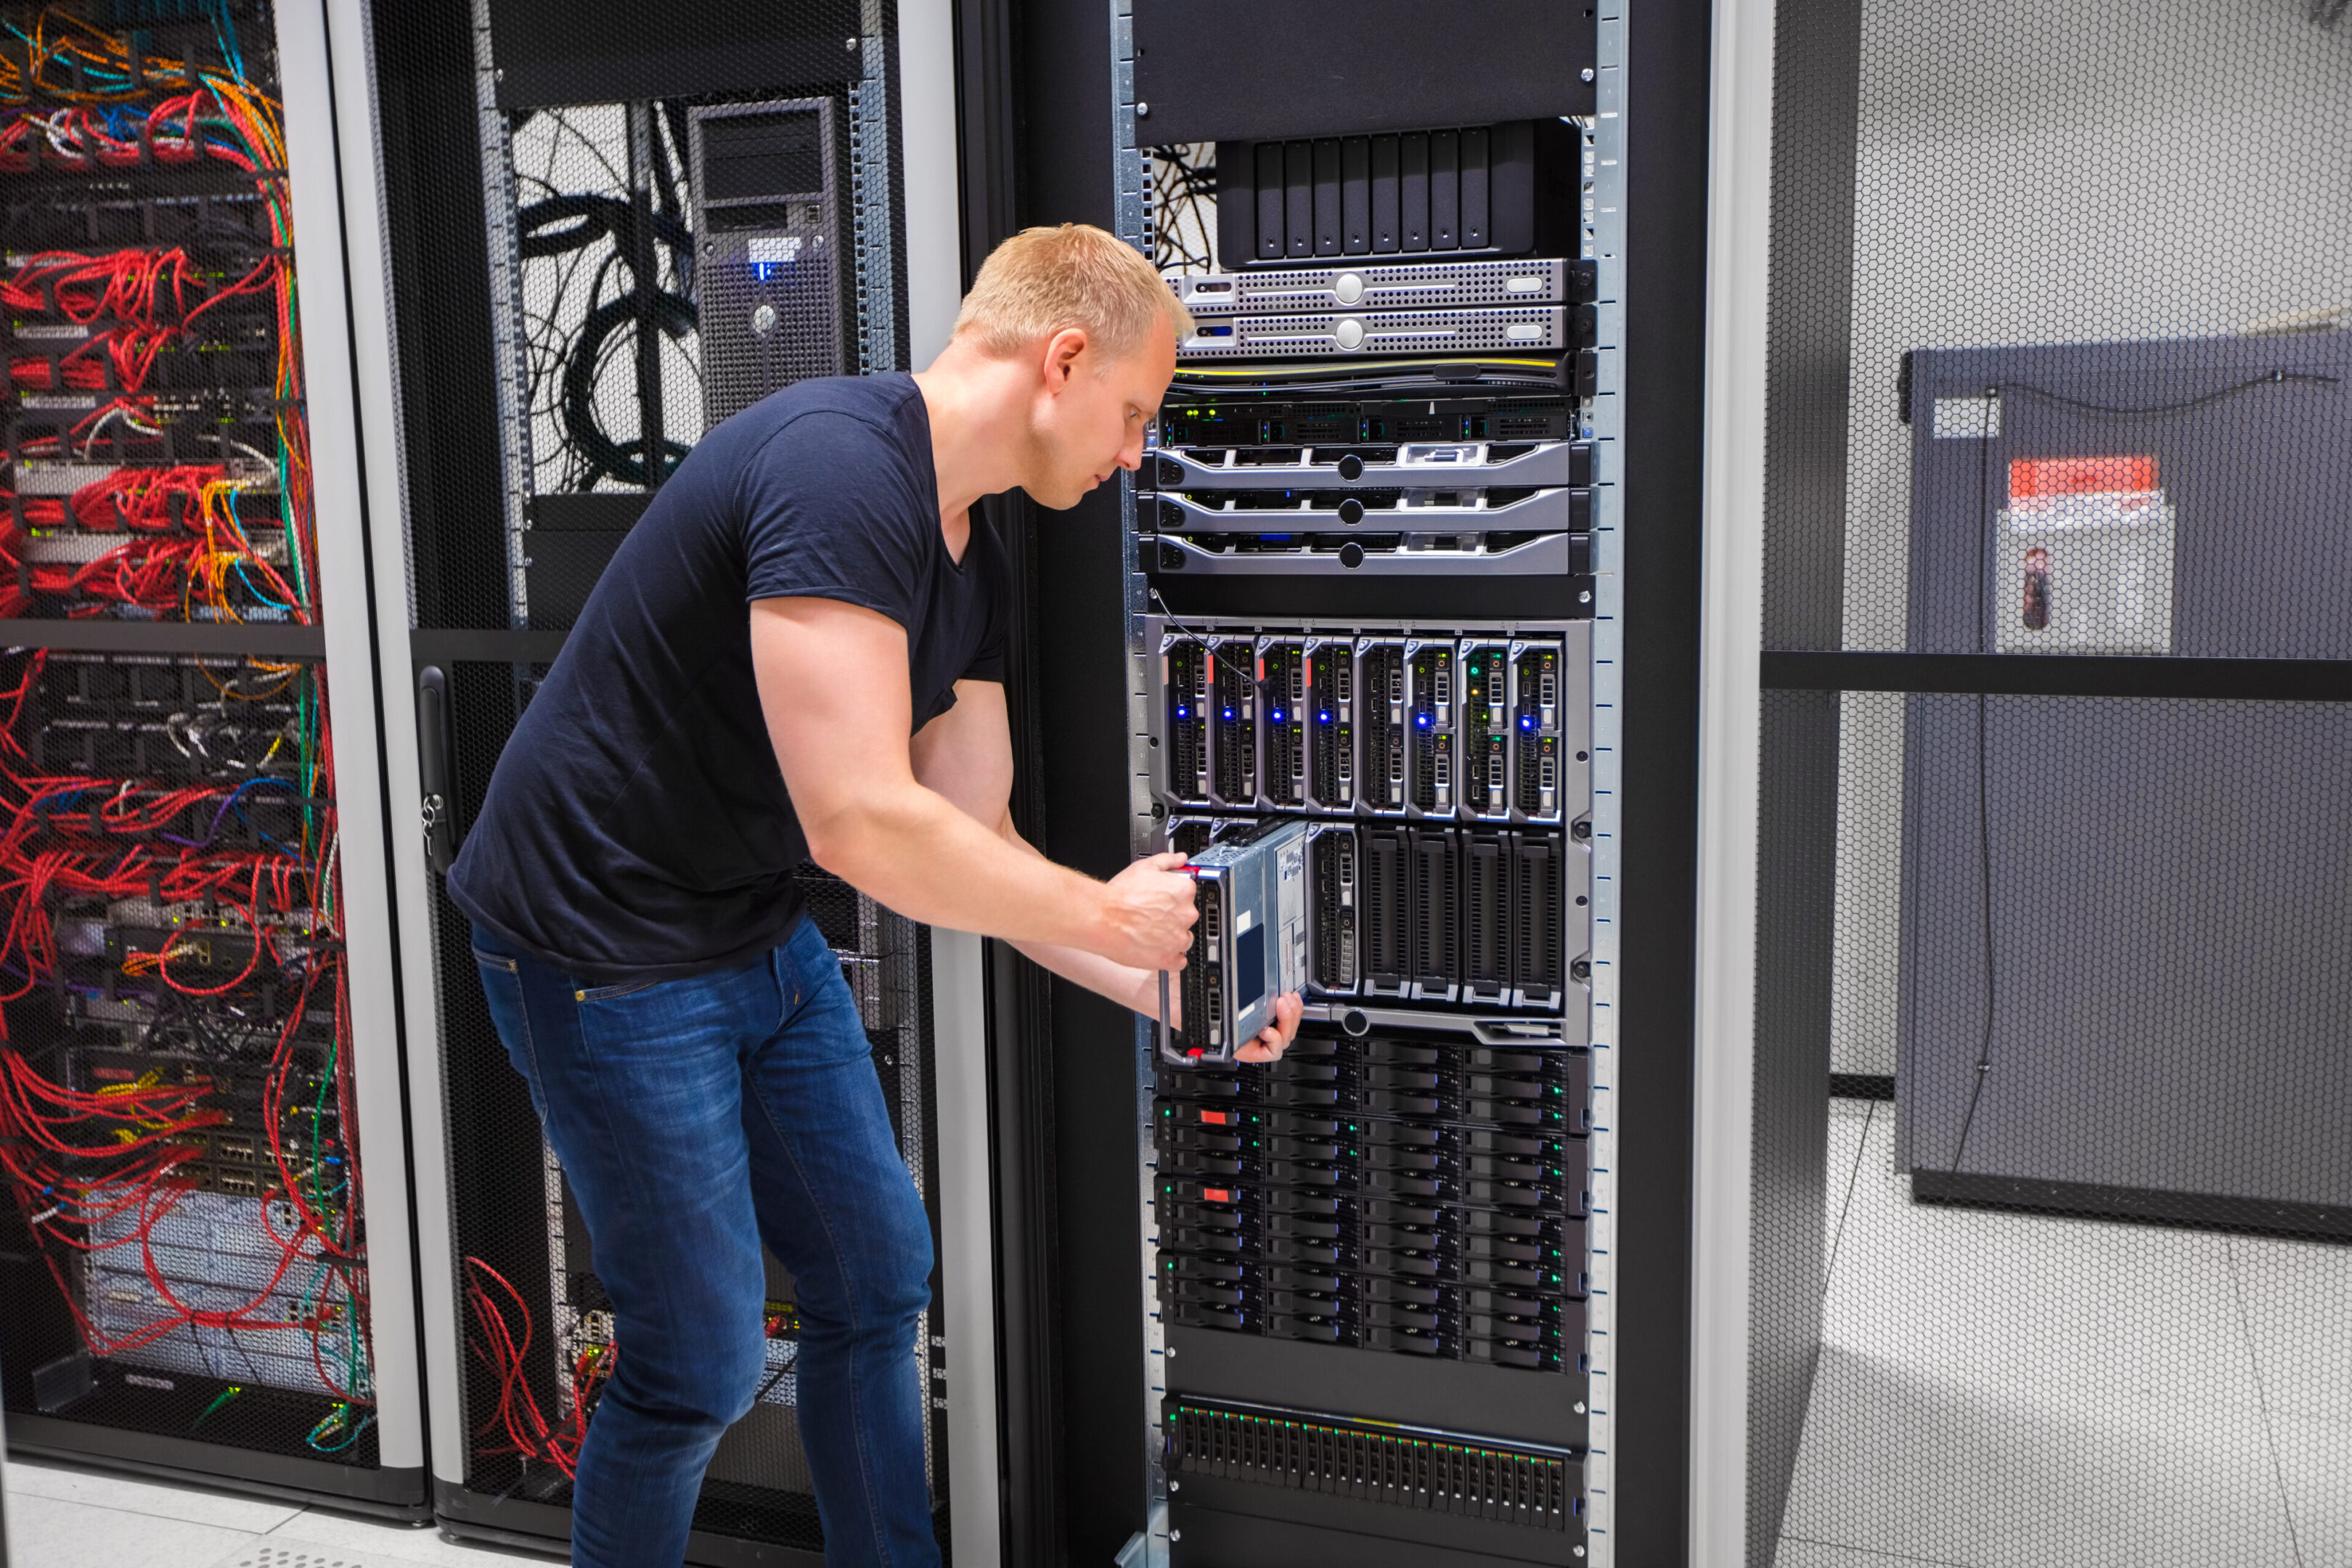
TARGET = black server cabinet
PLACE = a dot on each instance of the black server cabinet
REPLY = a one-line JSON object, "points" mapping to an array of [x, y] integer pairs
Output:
{"points": [[1234, 1437], [599, 243], [198, 1276], [2131, 544]]}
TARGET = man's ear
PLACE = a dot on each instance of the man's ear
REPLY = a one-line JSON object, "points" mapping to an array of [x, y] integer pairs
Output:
{"points": [[1062, 353]]}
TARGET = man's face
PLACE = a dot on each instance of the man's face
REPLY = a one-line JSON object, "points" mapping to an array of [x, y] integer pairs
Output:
{"points": [[1091, 413]]}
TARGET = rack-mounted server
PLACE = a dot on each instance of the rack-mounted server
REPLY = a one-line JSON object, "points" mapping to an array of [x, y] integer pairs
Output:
{"points": [[1371, 721]]}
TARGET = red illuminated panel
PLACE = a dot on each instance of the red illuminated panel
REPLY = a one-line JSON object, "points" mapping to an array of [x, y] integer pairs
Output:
{"points": [[2042, 477]]}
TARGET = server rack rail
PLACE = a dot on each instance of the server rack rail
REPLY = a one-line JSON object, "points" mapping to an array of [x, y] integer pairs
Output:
{"points": [[511, 484], [204, 1263]]}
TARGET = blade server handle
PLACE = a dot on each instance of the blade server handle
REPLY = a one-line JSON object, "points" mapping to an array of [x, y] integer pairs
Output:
{"points": [[1167, 1046], [437, 749]]}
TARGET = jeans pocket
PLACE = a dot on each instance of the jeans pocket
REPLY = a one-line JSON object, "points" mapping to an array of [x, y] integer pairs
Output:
{"points": [[502, 988], [613, 993]]}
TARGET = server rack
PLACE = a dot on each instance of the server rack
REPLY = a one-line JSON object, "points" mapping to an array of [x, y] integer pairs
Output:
{"points": [[202, 1275], [1366, 567], [739, 203]]}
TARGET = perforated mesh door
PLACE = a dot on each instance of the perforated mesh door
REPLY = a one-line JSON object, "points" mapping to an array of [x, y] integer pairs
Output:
{"points": [[2052, 904], [549, 281]]}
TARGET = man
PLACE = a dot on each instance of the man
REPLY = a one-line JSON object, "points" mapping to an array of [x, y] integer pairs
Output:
{"points": [[798, 654]]}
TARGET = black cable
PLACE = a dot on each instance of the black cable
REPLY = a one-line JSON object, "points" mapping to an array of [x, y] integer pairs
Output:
{"points": [[625, 460], [2268, 378], [1984, 812]]}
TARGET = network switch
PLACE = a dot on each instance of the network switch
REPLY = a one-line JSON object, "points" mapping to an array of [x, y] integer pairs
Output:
{"points": [[1221, 1446]]}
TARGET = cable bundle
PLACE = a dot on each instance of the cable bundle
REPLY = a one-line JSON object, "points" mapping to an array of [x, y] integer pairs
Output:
{"points": [[94, 1171], [517, 1418]]}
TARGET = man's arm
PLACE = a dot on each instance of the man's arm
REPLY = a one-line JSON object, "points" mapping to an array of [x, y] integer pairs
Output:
{"points": [[833, 686], [966, 754]]}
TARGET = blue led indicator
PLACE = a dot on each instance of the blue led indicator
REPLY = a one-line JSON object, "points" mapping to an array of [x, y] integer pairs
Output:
{"points": [[1325, 717], [1278, 715], [1183, 712], [1229, 713]]}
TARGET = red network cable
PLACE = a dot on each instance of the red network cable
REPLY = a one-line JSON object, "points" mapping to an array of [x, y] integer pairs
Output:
{"points": [[516, 1414]]}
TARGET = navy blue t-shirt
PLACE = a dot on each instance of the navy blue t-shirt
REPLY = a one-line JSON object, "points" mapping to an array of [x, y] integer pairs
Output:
{"points": [[637, 826]]}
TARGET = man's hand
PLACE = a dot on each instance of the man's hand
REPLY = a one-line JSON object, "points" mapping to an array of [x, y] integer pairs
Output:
{"points": [[1275, 1037], [1147, 915], [1272, 1040]]}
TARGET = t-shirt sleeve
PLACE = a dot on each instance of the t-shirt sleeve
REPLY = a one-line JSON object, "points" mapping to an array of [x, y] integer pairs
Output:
{"points": [[827, 516]]}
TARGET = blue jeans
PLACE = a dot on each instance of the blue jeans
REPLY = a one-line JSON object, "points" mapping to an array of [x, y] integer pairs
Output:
{"points": [[696, 1119]]}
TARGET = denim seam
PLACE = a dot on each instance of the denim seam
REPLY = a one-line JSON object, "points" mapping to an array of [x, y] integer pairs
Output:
{"points": [[631, 1173], [841, 1265], [529, 1043]]}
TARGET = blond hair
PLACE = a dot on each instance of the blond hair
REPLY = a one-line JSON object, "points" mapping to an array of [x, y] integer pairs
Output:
{"points": [[1043, 279]]}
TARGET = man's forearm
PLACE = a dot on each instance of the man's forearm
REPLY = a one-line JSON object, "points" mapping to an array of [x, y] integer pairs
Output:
{"points": [[911, 849], [1129, 987]]}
